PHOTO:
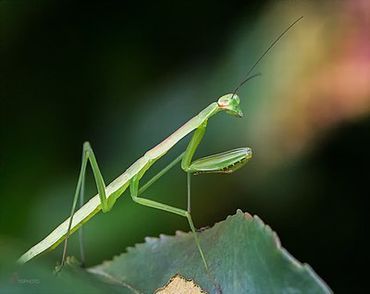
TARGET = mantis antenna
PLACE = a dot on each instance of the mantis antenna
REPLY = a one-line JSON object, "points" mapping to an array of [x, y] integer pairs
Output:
{"points": [[263, 55]]}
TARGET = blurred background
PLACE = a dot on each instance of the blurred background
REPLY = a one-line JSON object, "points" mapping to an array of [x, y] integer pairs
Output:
{"points": [[124, 76]]}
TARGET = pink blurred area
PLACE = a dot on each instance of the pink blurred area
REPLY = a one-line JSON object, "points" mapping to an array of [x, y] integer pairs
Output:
{"points": [[343, 84], [332, 84]]}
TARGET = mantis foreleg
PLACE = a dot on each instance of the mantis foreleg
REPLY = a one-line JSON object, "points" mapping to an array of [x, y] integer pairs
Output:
{"points": [[189, 153], [224, 162]]}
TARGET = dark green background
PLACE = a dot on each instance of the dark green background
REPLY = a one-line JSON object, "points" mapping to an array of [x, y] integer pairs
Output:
{"points": [[124, 76]]}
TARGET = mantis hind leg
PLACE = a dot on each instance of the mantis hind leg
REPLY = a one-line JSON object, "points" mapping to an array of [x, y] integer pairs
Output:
{"points": [[87, 156], [107, 204], [134, 191]]}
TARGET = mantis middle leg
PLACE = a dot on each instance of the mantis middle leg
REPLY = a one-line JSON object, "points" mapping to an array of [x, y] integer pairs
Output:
{"points": [[134, 190]]}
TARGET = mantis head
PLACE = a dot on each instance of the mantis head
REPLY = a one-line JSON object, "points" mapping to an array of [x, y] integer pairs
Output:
{"points": [[230, 103]]}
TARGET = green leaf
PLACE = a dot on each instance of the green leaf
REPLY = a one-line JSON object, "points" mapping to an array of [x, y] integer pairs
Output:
{"points": [[244, 256]]}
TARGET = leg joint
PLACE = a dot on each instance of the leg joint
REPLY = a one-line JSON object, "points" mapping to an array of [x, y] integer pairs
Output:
{"points": [[86, 146]]}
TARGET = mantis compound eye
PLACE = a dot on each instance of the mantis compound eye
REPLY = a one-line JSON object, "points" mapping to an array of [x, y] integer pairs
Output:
{"points": [[228, 100]]}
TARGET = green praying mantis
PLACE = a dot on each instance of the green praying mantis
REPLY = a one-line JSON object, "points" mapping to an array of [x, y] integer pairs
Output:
{"points": [[225, 162]]}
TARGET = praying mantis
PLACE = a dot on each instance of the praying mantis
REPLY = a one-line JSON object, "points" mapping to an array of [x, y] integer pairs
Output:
{"points": [[225, 162]]}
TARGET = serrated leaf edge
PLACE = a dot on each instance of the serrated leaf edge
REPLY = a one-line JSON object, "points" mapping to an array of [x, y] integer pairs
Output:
{"points": [[304, 267]]}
